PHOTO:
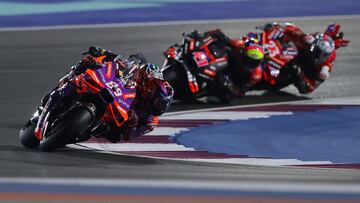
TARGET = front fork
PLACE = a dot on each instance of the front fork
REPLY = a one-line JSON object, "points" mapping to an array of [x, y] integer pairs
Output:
{"points": [[52, 105]]}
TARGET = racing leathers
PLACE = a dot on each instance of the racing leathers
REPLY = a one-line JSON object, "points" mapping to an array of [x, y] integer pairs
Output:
{"points": [[245, 71], [316, 53], [140, 121]]}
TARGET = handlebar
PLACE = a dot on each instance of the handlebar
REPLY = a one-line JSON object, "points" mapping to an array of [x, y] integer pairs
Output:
{"points": [[194, 34]]}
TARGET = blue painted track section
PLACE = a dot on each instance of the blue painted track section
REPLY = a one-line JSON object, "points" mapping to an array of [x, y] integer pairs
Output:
{"points": [[72, 12], [325, 135]]}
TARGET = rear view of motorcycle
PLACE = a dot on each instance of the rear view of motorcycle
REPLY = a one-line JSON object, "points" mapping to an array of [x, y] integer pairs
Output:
{"points": [[278, 63], [88, 105], [197, 67]]}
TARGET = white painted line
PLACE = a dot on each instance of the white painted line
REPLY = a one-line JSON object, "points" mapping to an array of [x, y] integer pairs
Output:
{"points": [[166, 131], [224, 115], [334, 101], [133, 147], [346, 100], [167, 23], [237, 161], [259, 161], [263, 186]]}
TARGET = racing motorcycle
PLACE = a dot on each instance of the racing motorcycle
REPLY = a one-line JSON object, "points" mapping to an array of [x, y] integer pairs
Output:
{"points": [[103, 99], [197, 67], [277, 62]]}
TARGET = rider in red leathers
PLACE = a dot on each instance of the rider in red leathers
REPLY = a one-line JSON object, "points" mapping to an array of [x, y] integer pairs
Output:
{"points": [[245, 56], [316, 53]]}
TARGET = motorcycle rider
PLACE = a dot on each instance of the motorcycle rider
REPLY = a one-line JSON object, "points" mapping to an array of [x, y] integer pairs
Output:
{"points": [[245, 57], [316, 53], [154, 94], [155, 97]]}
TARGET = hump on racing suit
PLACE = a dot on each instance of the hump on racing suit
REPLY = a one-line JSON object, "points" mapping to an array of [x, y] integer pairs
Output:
{"points": [[310, 57]]}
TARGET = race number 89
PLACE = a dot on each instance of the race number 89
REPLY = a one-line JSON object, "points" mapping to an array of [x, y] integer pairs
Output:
{"points": [[114, 87]]}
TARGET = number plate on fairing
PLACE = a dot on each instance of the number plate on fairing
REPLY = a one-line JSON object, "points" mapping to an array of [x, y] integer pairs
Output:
{"points": [[122, 94], [200, 59]]}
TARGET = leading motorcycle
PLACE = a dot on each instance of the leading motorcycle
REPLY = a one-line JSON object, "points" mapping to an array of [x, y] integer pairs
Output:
{"points": [[102, 100]]}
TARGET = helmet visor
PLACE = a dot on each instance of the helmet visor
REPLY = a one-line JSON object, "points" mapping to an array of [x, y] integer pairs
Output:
{"points": [[253, 56], [322, 48], [250, 63]]}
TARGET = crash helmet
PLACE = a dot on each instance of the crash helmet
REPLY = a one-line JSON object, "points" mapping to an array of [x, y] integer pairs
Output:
{"points": [[321, 48], [253, 54], [149, 70], [156, 92]]}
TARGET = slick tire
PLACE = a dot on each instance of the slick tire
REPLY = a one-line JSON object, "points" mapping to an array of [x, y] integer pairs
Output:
{"points": [[73, 124], [27, 137], [225, 97], [177, 79]]}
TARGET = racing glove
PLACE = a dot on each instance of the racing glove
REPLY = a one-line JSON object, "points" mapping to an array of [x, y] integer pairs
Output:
{"points": [[333, 31], [85, 63], [97, 52], [274, 30], [219, 35]]}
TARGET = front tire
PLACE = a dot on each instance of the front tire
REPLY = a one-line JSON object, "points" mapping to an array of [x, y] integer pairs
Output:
{"points": [[27, 137], [176, 76], [70, 126], [225, 96]]}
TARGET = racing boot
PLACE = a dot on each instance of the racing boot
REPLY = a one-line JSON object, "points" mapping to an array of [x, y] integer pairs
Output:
{"points": [[300, 81]]}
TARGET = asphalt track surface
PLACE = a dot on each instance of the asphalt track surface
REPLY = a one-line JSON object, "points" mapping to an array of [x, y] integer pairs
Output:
{"points": [[32, 61]]}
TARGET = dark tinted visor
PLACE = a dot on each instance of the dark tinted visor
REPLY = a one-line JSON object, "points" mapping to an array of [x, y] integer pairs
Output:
{"points": [[251, 63]]}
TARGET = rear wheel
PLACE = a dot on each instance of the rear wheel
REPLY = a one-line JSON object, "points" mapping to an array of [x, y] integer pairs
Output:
{"points": [[27, 137], [70, 126]]}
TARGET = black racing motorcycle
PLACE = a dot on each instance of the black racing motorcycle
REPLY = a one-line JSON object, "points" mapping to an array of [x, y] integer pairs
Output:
{"points": [[197, 67]]}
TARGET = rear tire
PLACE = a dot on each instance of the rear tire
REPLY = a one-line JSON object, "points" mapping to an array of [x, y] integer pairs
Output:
{"points": [[27, 137], [73, 124]]}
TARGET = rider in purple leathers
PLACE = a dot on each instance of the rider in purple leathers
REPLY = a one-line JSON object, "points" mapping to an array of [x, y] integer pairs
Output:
{"points": [[153, 98]]}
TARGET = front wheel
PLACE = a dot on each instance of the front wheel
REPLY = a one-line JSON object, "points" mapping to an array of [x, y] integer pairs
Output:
{"points": [[27, 137], [223, 88], [73, 124], [176, 76], [225, 96]]}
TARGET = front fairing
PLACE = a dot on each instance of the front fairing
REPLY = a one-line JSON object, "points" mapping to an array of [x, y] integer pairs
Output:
{"points": [[123, 93]]}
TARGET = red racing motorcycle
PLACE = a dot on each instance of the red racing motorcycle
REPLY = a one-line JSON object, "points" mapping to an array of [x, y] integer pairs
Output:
{"points": [[276, 61]]}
